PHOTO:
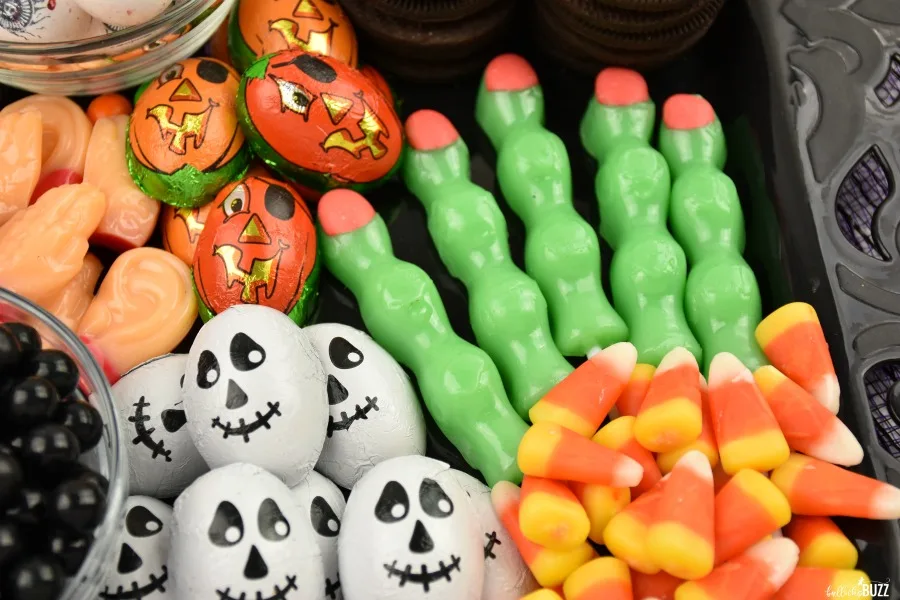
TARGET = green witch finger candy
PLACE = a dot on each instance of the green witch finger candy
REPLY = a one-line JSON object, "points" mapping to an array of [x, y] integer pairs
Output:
{"points": [[722, 299], [507, 310], [649, 269], [562, 252], [403, 312]]}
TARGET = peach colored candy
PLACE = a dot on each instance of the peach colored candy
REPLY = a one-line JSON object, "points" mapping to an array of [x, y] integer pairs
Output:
{"points": [[144, 308], [43, 246], [70, 304], [20, 160], [66, 131], [130, 215]]}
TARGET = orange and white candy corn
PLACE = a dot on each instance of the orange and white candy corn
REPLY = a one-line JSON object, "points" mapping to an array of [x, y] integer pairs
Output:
{"points": [[626, 534], [604, 578], [681, 539], [549, 567], [807, 426], [706, 443], [747, 509], [550, 514], [554, 452], [618, 435], [658, 586], [747, 433], [817, 488], [582, 400], [754, 575], [670, 416], [793, 341], [544, 594], [822, 544], [629, 403], [813, 583], [601, 503]]}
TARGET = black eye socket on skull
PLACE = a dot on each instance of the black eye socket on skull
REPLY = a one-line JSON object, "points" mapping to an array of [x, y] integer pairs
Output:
{"points": [[208, 370], [393, 505], [140, 522], [323, 519], [227, 527], [272, 524], [343, 354], [434, 500], [246, 354]]}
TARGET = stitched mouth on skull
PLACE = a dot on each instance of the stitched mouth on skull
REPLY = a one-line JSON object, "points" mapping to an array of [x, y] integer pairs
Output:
{"points": [[423, 577], [144, 435], [137, 592], [332, 587], [489, 546], [360, 412], [244, 429], [280, 592]]}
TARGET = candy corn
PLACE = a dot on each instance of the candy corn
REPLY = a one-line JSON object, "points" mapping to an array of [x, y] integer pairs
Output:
{"points": [[542, 595], [550, 514], [706, 443], [618, 435], [555, 452], [720, 477], [549, 567], [626, 535], [601, 503], [582, 400], [793, 340], [747, 509], [808, 426], [629, 403], [817, 488], [604, 578], [754, 575], [670, 416], [681, 539], [821, 543], [814, 583], [660, 585], [747, 433]]}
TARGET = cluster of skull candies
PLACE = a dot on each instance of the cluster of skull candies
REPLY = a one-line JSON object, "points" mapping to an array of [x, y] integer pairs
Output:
{"points": [[253, 431]]}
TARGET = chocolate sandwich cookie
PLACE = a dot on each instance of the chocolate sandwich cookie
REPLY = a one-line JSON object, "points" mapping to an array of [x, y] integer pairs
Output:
{"points": [[599, 20], [645, 6], [431, 11]]}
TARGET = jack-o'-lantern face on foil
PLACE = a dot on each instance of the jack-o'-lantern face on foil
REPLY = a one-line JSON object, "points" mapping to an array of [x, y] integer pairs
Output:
{"points": [[319, 122], [258, 246], [266, 26], [181, 229], [187, 117]]}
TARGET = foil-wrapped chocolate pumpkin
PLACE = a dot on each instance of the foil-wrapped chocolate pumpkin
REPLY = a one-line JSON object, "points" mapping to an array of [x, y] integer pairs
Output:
{"points": [[181, 229], [318, 122], [258, 246], [184, 142], [261, 27]]}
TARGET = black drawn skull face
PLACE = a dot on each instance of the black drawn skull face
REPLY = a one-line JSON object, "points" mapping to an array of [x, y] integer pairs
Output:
{"points": [[161, 456], [255, 390], [325, 505], [141, 570], [238, 533], [408, 533]]}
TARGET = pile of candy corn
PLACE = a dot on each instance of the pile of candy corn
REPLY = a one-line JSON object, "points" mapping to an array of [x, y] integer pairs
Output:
{"points": [[690, 483]]}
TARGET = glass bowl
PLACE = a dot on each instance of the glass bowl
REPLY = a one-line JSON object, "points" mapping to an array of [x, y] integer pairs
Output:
{"points": [[108, 458], [119, 60]]}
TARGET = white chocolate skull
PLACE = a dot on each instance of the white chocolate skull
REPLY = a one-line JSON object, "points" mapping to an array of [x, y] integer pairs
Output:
{"points": [[124, 13], [375, 414], [141, 571], [254, 392], [506, 576], [162, 459], [324, 505], [409, 533], [43, 21], [239, 534]]}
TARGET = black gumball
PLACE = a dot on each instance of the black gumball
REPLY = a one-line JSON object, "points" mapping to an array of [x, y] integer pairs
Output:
{"points": [[11, 479], [12, 542], [59, 368], [69, 548], [10, 352], [93, 476], [83, 420], [35, 578], [27, 336], [29, 402], [30, 508], [51, 449], [78, 504]]}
